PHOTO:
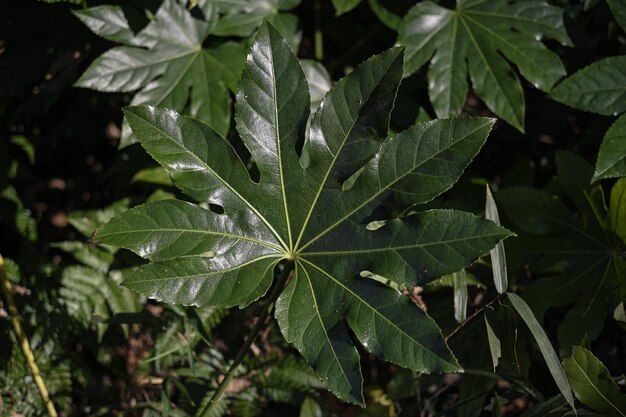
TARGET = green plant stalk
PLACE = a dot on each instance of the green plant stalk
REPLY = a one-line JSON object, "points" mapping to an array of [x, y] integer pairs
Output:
{"points": [[23, 340], [266, 308], [319, 39]]}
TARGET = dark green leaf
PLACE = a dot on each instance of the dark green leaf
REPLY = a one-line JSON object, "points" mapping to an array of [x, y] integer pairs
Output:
{"points": [[592, 383], [578, 251], [166, 63], [476, 37], [618, 7], [612, 155], [598, 88], [318, 214], [344, 6]]}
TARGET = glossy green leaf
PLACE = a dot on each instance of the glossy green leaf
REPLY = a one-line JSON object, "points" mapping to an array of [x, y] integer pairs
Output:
{"points": [[612, 155], [108, 22], [618, 7], [598, 88], [498, 256], [592, 383], [165, 63], [306, 213], [552, 360], [481, 38]]}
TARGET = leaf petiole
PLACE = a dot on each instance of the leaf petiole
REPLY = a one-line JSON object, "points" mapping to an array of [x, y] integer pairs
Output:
{"points": [[266, 308]]}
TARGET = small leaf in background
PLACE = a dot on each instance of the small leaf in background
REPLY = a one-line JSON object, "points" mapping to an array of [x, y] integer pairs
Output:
{"points": [[592, 383], [612, 154], [495, 348], [344, 6], [460, 296], [243, 17], [552, 407], [390, 19], [481, 38], [497, 254], [618, 7], [552, 360], [318, 79], [495, 406], [617, 209], [310, 408], [619, 314], [598, 88], [156, 175]]}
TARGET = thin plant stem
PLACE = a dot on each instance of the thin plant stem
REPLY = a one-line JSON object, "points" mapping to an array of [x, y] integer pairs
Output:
{"points": [[266, 308], [319, 38], [16, 320], [470, 318]]}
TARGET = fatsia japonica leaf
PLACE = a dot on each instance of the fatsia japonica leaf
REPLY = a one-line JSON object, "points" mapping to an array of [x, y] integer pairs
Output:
{"points": [[483, 38], [314, 215], [166, 63]]}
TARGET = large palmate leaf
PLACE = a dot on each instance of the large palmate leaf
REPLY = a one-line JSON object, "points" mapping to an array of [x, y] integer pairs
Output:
{"points": [[166, 63], [483, 38], [580, 251], [315, 216]]}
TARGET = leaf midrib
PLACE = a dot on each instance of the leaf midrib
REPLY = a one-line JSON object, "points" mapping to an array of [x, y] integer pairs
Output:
{"points": [[308, 279], [382, 190], [398, 248], [208, 168], [491, 73], [207, 273], [376, 312], [336, 154], [582, 371], [204, 232], [506, 42]]}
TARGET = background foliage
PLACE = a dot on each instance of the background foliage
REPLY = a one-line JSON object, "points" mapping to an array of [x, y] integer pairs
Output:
{"points": [[553, 73]]}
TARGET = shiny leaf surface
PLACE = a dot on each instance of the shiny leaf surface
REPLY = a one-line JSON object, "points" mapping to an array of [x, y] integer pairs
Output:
{"points": [[598, 88], [317, 214], [481, 38]]}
